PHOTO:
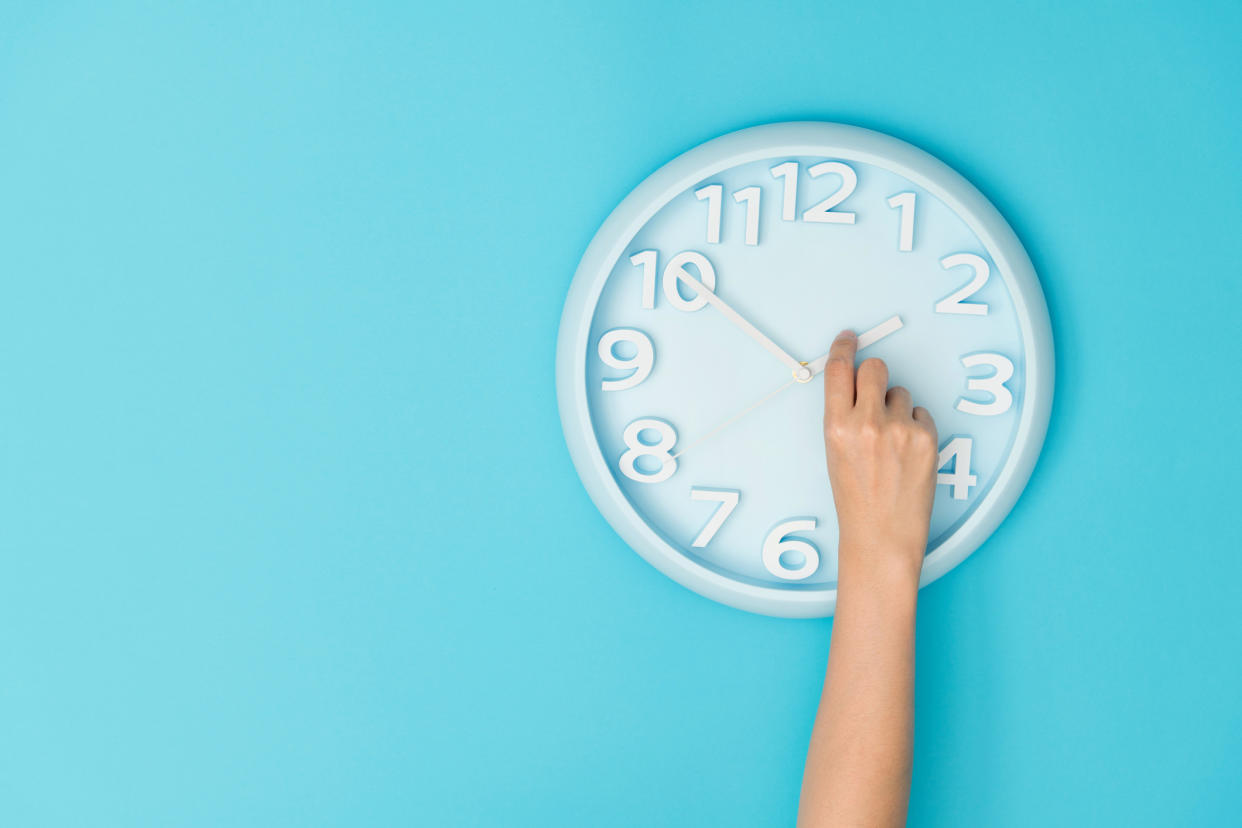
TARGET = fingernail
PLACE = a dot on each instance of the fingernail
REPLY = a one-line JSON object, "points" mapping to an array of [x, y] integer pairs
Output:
{"points": [[846, 334]]}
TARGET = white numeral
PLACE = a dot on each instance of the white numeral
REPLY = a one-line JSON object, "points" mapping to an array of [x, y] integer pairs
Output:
{"points": [[960, 479], [727, 498], [789, 172], [672, 281], [636, 448], [822, 212], [994, 385], [953, 302], [905, 235], [775, 545], [641, 363], [712, 193], [646, 259], [750, 195]]}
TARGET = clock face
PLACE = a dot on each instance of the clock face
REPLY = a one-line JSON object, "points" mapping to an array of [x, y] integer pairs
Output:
{"points": [[689, 414]]}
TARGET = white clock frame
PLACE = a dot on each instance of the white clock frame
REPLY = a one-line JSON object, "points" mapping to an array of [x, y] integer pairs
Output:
{"points": [[792, 139]]}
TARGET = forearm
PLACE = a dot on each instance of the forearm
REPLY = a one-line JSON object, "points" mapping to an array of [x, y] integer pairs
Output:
{"points": [[858, 766], [882, 458]]}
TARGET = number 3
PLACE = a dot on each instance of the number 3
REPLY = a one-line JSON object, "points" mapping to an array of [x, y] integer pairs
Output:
{"points": [[1002, 399]]}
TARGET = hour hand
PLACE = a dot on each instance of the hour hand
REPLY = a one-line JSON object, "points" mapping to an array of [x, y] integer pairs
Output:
{"points": [[866, 338], [802, 373]]}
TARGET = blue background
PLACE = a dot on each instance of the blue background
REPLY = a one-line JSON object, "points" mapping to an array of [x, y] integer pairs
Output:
{"points": [[289, 532]]}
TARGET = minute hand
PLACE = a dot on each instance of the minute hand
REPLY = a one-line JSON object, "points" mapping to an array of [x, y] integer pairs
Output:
{"points": [[800, 371]]}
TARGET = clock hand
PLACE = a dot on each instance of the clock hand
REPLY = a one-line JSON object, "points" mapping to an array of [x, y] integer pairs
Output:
{"points": [[721, 426], [865, 339], [800, 371]]}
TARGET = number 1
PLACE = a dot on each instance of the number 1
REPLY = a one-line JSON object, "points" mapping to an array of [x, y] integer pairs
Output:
{"points": [[712, 193], [647, 259], [789, 172], [905, 237], [750, 195]]}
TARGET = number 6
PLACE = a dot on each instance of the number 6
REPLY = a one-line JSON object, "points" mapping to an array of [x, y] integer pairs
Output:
{"points": [[775, 545]]}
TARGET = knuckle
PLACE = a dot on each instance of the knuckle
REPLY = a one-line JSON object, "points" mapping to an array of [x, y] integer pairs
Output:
{"points": [[870, 431], [900, 435], [873, 365], [841, 432], [925, 443]]}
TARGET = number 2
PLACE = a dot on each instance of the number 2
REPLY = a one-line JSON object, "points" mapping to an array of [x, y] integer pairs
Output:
{"points": [[822, 212], [953, 302]]}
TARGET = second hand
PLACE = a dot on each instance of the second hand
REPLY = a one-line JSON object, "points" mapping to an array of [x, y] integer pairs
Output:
{"points": [[722, 426]]}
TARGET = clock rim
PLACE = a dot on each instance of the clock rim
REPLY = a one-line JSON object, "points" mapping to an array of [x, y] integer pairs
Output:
{"points": [[800, 138]]}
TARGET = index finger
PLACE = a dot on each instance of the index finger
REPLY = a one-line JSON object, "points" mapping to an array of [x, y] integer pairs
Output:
{"points": [[839, 375]]}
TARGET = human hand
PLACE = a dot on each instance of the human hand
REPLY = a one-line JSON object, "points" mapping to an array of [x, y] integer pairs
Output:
{"points": [[882, 465]]}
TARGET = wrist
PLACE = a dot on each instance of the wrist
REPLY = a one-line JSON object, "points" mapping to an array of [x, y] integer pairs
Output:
{"points": [[890, 568]]}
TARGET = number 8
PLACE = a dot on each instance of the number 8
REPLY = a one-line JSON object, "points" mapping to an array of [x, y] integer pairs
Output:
{"points": [[636, 448]]}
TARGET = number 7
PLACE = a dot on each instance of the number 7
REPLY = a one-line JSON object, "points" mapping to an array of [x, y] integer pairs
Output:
{"points": [[727, 498]]}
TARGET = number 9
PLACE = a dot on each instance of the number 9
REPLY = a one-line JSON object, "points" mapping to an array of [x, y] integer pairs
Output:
{"points": [[641, 363]]}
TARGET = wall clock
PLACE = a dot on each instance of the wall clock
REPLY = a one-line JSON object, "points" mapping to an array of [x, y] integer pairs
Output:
{"points": [[693, 338]]}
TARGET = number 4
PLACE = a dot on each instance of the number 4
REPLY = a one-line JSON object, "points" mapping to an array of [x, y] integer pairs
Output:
{"points": [[957, 452]]}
